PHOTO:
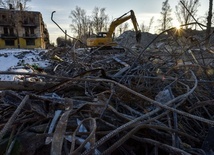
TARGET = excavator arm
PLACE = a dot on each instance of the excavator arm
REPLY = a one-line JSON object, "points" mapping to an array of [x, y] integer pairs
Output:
{"points": [[121, 20]]}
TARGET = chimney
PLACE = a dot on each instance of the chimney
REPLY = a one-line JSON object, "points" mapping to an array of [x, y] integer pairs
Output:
{"points": [[21, 7]]}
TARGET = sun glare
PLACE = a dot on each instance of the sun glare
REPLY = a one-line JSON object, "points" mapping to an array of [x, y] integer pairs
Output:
{"points": [[177, 25]]}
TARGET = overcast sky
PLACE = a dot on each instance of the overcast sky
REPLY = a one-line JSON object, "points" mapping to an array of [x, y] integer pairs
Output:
{"points": [[144, 10]]}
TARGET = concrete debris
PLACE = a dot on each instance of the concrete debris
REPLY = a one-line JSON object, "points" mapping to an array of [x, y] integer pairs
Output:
{"points": [[127, 39], [153, 100]]}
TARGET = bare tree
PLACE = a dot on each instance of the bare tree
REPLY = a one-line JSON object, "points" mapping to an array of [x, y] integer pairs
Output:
{"points": [[147, 28], [123, 27], [99, 19], [15, 4], [165, 20], [185, 10], [80, 22], [143, 27], [209, 20], [151, 22]]}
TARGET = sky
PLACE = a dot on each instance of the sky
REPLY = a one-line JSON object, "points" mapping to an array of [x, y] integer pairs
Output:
{"points": [[144, 11]]}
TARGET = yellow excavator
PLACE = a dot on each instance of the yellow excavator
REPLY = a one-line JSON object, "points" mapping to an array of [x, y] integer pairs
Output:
{"points": [[106, 38]]}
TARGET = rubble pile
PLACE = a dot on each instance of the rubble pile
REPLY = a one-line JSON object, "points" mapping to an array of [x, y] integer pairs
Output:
{"points": [[155, 100], [128, 38]]}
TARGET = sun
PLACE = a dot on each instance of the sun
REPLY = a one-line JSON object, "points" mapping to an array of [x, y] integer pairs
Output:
{"points": [[177, 25], [177, 28]]}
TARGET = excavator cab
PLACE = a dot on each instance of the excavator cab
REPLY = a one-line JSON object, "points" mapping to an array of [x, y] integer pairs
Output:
{"points": [[101, 39], [102, 35]]}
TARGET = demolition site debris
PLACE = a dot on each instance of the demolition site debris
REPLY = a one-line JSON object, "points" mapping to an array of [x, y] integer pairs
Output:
{"points": [[153, 98]]}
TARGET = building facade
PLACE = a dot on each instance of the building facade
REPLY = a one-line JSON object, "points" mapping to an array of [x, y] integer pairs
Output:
{"points": [[22, 29]]}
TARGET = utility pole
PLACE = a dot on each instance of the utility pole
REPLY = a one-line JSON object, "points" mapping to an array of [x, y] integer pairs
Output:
{"points": [[65, 37], [209, 22]]}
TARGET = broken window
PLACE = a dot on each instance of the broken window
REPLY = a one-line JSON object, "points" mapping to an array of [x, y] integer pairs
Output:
{"points": [[29, 31], [29, 20], [25, 20], [30, 41], [26, 31], [4, 18], [32, 20], [11, 31], [9, 42], [6, 32]]}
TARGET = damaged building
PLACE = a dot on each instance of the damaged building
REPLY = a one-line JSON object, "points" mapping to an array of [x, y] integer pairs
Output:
{"points": [[22, 29]]}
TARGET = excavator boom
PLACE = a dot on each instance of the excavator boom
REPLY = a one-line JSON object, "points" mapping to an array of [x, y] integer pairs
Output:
{"points": [[121, 20]]}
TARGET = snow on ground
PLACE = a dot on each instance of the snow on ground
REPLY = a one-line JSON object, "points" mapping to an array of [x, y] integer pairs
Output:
{"points": [[7, 61], [16, 59]]}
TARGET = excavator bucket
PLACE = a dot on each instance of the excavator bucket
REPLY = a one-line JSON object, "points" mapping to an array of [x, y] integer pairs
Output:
{"points": [[138, 36]]}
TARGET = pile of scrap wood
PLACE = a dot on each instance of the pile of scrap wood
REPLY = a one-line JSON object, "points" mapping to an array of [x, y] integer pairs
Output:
{"points": [[156, 101]]}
